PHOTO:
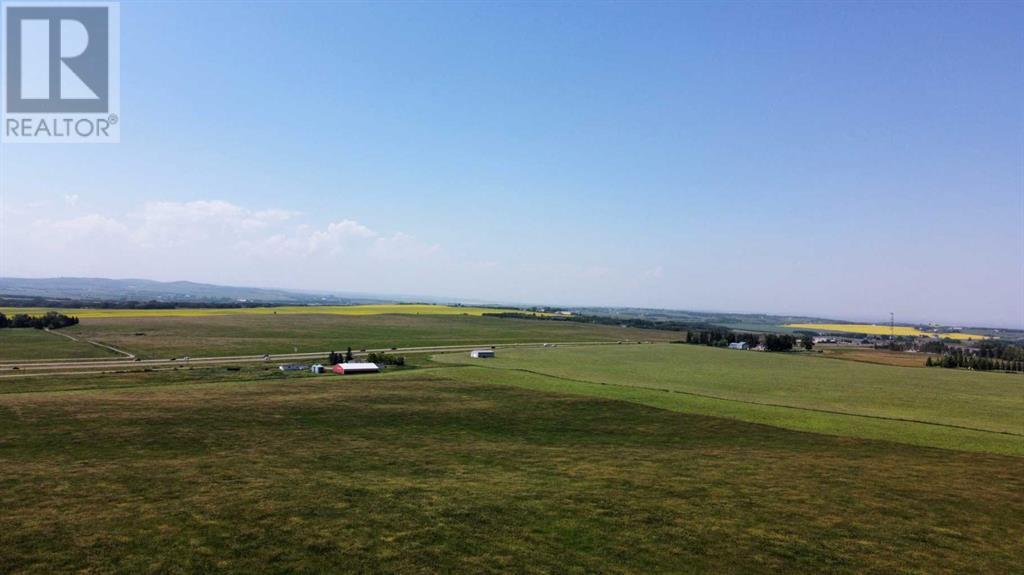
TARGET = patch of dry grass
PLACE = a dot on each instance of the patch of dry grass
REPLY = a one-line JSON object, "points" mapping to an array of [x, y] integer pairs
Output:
{"points": [[879, 356]]}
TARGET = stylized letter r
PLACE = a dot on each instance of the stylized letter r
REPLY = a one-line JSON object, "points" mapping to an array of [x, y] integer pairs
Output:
{"points": [[38, 60], [57, 59]]}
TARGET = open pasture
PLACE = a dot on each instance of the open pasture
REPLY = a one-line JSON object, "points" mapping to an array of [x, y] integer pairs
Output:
{"points": [[165, 337], [954, 409], [418, 471], [873, 329], [31, 344], [358, 310]]}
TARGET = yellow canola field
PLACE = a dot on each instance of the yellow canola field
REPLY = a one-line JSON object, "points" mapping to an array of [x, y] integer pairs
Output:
{"points": [[409, 309], [873, 329]]}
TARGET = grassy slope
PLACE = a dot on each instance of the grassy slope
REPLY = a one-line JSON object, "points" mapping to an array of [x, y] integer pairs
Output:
{"points": [[410, 472], [37, 344], [257, 334], [793, 391]]}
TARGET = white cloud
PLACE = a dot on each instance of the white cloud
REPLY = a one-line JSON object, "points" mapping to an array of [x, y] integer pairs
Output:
{"points": [[83, 227], [222, 242], [211, 240], [656, 273]]}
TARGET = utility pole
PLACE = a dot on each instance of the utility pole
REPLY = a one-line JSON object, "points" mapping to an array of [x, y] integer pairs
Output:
{"points": [[892, 326]]}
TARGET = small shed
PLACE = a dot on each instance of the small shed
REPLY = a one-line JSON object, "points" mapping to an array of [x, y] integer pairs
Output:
{"points": [[316, 368], [739, 345], [481, 353], [354, 368]]}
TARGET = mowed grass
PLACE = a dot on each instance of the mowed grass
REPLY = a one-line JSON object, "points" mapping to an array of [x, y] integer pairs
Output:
{"points": [[953, 409], [873, 329], [415, 472], [166, 337], [30, 344], [412, 309]]}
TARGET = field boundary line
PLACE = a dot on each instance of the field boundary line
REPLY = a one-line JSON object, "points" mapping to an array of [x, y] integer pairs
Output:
{"points": [[763, 404], [112, 348], [91, 342], [71, 337]]}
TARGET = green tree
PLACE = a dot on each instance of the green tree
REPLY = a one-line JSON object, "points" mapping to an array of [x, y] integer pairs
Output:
{"points": [[808, 342]]}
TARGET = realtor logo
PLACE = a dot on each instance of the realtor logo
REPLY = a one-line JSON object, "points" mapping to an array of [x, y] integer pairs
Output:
{"points": [[61, 64]]}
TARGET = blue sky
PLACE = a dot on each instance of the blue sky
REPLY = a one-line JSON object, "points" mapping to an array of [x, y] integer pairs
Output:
{"points": [[844, 160]]}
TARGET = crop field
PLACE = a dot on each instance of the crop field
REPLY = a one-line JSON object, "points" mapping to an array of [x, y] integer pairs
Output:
{"points": [[444, 470], [166, 337], [872, 355], [38, 344], [872, 329], [411, 309], [933, 407]]}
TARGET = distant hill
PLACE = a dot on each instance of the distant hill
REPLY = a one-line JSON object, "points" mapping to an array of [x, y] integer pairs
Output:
{"points": [[102, 289]]}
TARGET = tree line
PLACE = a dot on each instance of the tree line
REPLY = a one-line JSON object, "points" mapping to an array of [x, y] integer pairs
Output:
{"points": [[599, 320], [996, 349], [373, 357], [722, 337], [976, 361], [132, 304], [385, 359], [49, 320]]}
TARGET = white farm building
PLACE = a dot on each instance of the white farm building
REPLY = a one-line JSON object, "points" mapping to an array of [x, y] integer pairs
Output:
{"points": [[739, 345], [481, 353], [355, 367]]}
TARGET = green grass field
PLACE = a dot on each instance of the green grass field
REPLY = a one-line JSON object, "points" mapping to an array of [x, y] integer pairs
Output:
{"points": [[419, 471], [935, 407], [377, 309], [611, 458], [166, 337], [38, 344]]}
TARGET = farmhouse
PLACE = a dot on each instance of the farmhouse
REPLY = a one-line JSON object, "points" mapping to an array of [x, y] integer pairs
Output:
{"points": [[739, 345], [481, 353], [354, 368]]}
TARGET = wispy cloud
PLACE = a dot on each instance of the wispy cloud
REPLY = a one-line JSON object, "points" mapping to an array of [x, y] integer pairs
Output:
{"points": [[202, 238]]}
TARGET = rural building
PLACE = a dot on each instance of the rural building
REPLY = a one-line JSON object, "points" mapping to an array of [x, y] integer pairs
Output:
{"points": [[317, 368], [354, 368], [739, 345], [292, 367], [479, 353]]}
